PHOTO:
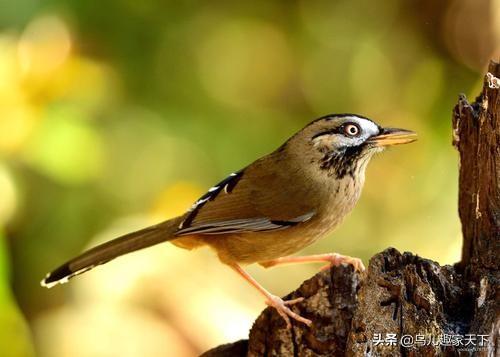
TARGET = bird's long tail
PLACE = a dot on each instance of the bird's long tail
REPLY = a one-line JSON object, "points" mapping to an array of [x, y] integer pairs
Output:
{"points": [[107, 251]]}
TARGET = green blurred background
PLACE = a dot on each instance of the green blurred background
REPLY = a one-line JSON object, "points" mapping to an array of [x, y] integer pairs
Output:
{"points": [[117, 114]]}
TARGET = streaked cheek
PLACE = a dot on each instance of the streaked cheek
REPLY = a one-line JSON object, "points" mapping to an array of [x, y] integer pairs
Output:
{"points": [[324, 141], [350, 142], [339, 141]]}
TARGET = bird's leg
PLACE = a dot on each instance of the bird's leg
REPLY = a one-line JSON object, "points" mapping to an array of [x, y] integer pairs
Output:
{"points": [[333, 259], [275, 301]]}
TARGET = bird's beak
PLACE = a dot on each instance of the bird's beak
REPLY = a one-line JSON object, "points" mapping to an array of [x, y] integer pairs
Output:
{"points": [[393, 136]]}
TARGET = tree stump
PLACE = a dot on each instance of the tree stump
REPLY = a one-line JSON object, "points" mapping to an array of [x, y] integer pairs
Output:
{"points": [[406, 305]]}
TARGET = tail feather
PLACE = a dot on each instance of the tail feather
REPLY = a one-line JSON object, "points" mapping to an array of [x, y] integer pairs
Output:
{"points": [[107, 251]]}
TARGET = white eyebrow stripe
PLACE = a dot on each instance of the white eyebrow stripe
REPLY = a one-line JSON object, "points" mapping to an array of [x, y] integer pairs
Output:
{"points": [[366, 125]]}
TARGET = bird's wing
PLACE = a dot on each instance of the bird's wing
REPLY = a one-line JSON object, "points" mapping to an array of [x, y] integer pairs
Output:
{"points": [[251, 200]]}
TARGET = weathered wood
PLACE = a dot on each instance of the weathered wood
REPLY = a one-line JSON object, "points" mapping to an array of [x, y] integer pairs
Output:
{"points": [[476, 135], [404, 294], [408, 296]]}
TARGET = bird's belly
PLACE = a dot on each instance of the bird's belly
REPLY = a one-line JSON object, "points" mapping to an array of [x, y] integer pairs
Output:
{"points": [[250, 248]]}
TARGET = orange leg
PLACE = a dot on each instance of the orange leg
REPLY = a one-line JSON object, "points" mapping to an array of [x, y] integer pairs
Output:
{"points": [[333, 259], [275, 301]]}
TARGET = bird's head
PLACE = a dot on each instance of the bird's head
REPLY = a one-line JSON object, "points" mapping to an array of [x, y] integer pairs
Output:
{"points": [[342, 144]]}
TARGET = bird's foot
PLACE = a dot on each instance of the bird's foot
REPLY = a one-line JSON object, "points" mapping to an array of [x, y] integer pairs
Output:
{"points": [[335, 259], [285, 312]]}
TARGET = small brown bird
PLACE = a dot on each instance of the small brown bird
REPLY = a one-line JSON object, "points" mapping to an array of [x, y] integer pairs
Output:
{"points": [[272, 208]]}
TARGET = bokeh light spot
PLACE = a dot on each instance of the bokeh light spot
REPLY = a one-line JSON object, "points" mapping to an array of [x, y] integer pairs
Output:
{"points": [[44, 45], [245, 64], [66, 149], [8, 194]]}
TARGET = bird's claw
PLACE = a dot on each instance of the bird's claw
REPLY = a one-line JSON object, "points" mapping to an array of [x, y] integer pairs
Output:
{"points": [[337, 259], [285, 312]]}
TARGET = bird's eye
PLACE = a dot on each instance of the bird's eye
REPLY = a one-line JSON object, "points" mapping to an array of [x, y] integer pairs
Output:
{"points": [[351, 130]]}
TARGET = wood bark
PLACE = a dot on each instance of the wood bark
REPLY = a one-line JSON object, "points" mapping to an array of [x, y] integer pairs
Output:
{"points": [[404, 294]]}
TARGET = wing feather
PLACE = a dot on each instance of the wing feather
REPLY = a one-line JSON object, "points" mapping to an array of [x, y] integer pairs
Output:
{"points": [[257, 224], [250, 200]]}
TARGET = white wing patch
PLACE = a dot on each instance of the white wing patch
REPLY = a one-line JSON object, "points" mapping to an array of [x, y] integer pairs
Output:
{"points": [[227, 185]]}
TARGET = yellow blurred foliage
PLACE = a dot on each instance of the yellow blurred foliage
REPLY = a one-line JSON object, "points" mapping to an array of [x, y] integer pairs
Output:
{"points": [[176, 199]]}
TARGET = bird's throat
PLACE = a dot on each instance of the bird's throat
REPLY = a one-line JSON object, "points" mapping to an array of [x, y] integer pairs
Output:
{"points": [[347, 162]]}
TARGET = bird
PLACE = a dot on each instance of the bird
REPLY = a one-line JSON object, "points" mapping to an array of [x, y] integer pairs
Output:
{"points": [[270, 209]]}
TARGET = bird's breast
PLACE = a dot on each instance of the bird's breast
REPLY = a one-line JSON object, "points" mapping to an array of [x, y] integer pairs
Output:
{"points": [[339, 202]]}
